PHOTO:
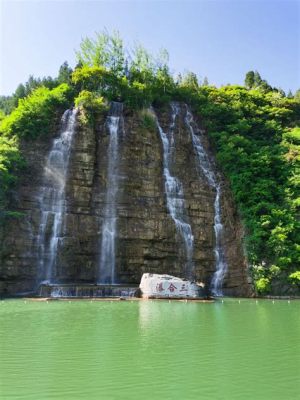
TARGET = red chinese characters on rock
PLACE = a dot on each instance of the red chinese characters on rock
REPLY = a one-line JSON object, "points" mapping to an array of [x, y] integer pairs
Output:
{"points": [[183, 288], [172, 287], [159, 287]]}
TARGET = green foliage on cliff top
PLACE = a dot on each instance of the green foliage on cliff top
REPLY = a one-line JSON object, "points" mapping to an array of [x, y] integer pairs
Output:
{"points": [[9, 103], [34, 116], [137, 80], [90, 103]]}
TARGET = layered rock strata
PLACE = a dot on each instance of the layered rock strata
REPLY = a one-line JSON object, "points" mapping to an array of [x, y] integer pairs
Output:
{"points": [[146, 238]]}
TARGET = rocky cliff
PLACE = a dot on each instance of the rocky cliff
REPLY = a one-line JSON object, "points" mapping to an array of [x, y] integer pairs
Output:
{"points": [[146, 238]]}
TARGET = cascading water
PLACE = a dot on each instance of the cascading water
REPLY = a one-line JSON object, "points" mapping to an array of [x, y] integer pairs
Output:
{"points": [[207, 169], [107, 255], [174, 192], [52, 197]]}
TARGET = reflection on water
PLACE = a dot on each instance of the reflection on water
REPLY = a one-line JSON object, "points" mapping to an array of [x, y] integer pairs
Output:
{"points": [[149, 349], [153, 314]]}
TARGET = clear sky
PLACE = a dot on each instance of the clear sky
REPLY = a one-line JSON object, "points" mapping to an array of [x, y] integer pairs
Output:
{"points": [[220, 39]]}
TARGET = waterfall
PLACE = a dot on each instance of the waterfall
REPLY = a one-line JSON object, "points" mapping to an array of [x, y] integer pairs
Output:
{"points": [[108, 256], [52, 199], [206, 167], [174, 191]]}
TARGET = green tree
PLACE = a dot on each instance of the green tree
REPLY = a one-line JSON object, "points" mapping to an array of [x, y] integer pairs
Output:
{"points": [[20, 92], [2, 115], [205, 81], [142, 67], [297, 95], [93, 52], [190, 80], [104, 51], [64, 73], [7, 104], [257, 78], [35, 113], [250, 80]]}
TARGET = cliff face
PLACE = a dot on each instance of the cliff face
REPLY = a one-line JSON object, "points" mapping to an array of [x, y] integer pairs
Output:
{"points": [[146, 236]]}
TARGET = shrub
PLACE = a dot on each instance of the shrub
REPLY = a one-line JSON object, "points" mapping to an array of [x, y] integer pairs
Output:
{"points": [[293, 136], [35, 113], [90, 101], [33, 117], [262, 285], [10, 161], [147, 119], [295, 278]]}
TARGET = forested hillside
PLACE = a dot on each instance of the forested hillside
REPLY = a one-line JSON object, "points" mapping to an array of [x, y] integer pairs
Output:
{"points": [[254, 131]]}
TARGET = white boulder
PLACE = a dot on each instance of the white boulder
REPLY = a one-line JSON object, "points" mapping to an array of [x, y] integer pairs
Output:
{"points": [[168, 286]]}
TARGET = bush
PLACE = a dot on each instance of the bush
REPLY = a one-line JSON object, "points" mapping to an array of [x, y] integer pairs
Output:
{"points": [[295, 278], [293, 136], [35, 113], [147, 120], [10, 161], [33, 117], [262, 285], [90, 101]]}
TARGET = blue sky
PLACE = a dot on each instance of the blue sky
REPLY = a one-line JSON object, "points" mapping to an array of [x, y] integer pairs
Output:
{"points": [[220, 39]]}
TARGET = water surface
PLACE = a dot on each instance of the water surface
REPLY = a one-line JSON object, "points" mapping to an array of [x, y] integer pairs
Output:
{"points": [[149, 350]]}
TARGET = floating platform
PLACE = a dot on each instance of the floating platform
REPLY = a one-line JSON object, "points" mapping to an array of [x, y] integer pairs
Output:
{"points": [[87, 291]]}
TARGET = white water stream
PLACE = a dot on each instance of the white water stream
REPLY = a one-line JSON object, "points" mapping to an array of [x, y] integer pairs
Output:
{"points": [[107, 263], [206, 167], [174, 191], [52, 197]]}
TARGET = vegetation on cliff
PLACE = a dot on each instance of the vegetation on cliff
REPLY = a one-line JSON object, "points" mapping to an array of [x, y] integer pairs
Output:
{"points": [[254, 131], [34, 116], [257, 146]]}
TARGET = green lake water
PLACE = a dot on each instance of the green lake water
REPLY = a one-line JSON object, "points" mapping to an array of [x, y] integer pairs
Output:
{"points": [[149, 350]]}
